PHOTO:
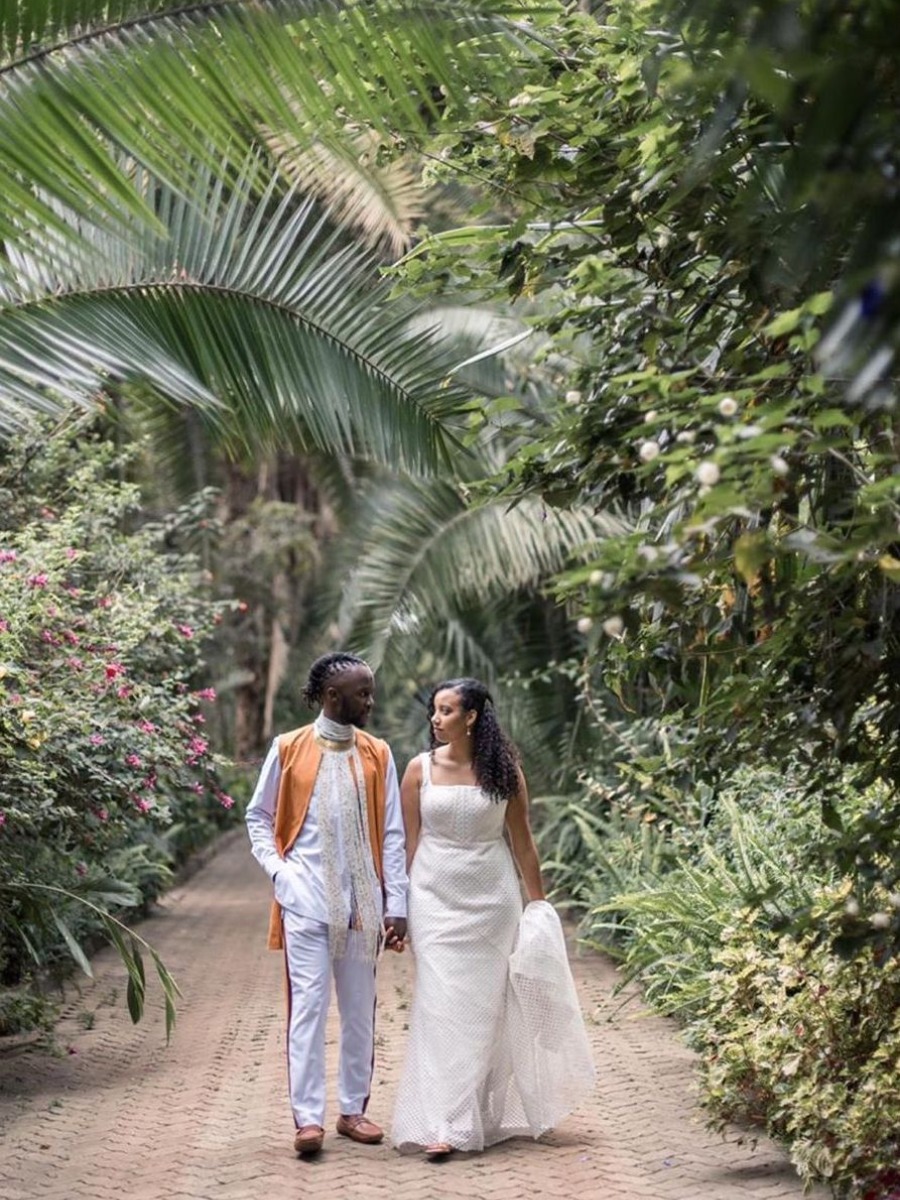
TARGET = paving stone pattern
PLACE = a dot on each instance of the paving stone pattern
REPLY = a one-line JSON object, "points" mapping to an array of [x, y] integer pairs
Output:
{"points": [[116, 1114]]}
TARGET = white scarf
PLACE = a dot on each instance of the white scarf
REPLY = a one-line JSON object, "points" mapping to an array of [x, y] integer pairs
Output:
{"points": [[344, 825]]}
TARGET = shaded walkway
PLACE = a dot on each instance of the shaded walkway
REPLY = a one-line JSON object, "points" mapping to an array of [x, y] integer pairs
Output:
{"points": [[118, 1115]]}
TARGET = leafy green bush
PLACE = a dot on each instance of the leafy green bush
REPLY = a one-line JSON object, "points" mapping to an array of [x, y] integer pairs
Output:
{"points": [[737, 913], [675, 922], [635, 796], [106, 774], [806, 1043], [23, 1009]]}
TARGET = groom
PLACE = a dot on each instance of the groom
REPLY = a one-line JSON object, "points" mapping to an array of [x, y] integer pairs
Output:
{"points": [[325, 825]]}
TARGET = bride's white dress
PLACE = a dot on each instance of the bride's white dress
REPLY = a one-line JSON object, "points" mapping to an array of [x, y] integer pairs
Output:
{"points": [[490, 1050]]}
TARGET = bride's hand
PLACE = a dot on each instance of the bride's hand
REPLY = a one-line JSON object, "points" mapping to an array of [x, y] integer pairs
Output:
{"points": [[395, 933]]}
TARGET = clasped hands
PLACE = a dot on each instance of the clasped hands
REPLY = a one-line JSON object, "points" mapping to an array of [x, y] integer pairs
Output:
{"points": [[395, 933]]}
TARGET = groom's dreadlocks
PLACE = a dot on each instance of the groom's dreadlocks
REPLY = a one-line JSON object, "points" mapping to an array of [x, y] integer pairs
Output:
{"points": [[325, 668]]}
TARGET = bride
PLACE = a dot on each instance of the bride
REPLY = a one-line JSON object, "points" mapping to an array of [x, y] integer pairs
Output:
{"points": [[497, 1046]]}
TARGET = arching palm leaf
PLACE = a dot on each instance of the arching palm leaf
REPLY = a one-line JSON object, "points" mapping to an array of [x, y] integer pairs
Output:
{"points": [[84, 81], [250, 308], [379, 204], [426, 554]]}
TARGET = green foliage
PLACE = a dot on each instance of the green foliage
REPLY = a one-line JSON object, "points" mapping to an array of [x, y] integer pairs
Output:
{"points": [[698, 892], [805, 1043], [613, 834], [247, 305], [22, 1009], [106, 774], [741, 870], [683, 206], [222, 75]]}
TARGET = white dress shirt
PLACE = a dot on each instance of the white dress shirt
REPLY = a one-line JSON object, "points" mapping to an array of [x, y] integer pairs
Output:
{"points": [[298, 879]]}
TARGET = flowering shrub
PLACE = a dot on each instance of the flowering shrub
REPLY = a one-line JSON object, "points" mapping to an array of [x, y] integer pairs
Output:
{"points": [[106, 772]]}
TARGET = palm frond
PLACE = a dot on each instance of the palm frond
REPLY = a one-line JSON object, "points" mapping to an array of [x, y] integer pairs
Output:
{"points": [[491, 347], [380, 204], [426, 554], [52, 903], [250, 307], [84, 84]]}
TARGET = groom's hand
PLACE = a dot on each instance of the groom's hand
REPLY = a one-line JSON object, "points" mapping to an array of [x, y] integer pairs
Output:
{"points": [[394, 933]]}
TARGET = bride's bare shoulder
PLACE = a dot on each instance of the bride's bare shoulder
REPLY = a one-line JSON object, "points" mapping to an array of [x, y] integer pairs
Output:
{"points": [[413, 772]]}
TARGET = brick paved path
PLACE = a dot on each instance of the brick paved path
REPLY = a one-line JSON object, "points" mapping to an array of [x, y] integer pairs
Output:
{"points": [[118, 1115]]}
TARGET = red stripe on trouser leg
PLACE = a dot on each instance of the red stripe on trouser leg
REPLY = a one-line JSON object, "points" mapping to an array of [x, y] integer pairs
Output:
{"points": [[372, 1067], [288, 993]]}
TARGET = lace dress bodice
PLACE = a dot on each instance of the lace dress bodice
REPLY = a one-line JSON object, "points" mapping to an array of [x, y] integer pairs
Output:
{"points": [[458, 812]]}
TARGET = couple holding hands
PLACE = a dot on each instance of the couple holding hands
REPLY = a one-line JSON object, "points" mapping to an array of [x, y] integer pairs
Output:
{"points": [[497, 1046]]}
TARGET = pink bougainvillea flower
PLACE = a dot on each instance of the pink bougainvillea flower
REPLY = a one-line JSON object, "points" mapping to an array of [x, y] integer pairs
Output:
{"points": [[123, 692], [133, 760], [185, 631], [102, 814], [97, 739], [105, 601], [72, 638], [146, 726], [8, 556], [38, 581], [150, 782], [4, 626], [198, 788], [71, 552], [114, 669], [48, 636], [198, 745], [225, 800], [2, 818], [206, 694], [75, 664], [198, 719], [143, 805]]}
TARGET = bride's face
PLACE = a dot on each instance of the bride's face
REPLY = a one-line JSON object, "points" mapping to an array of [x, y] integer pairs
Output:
{"points": [[449, 720]]}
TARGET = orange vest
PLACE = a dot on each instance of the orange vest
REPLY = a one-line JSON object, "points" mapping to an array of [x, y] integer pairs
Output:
{"points": [[299, 755]]}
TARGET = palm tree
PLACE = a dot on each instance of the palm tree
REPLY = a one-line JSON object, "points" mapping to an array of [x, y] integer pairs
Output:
{"points": [[167, 174], [198, 201], [439, 577]]}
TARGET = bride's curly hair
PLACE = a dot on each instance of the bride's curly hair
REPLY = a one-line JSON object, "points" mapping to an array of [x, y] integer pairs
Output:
{"points": [[494, 758]]}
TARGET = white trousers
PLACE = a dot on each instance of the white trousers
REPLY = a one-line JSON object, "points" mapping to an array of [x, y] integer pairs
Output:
{"points": [[309, 972]]}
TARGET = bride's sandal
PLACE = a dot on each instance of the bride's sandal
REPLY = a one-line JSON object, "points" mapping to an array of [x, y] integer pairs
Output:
{"points": [[438, 1151]]}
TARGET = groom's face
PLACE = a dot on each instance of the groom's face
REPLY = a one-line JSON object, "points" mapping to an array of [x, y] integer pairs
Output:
{"points": [[350, 697]]}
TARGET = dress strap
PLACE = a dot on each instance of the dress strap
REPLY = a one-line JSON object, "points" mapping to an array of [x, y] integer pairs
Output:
{"points": [[426, 767]]}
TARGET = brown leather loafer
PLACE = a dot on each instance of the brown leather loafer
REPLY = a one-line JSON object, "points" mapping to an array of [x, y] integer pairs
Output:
{"points": [[308, 1139], [359, 1129]]}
